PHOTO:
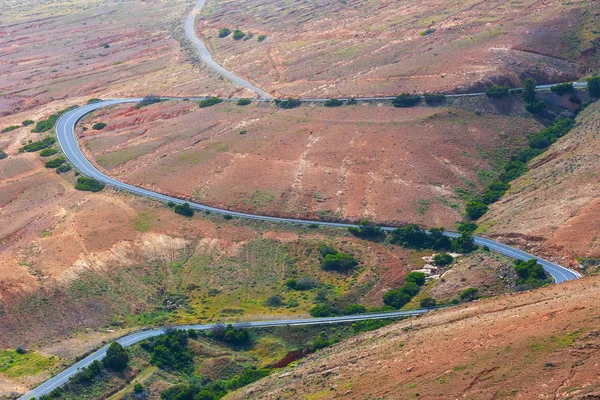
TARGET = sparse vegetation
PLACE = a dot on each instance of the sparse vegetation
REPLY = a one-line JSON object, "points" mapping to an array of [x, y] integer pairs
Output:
{"points": [[406, 100], [98, 126], [88, 184], [427, 302], [48, 141], [224, 32], [243, 102], [184, 209], [427, 32], [211, 101], [495, 92], [333, 103], [351, 101], [305, 283]]}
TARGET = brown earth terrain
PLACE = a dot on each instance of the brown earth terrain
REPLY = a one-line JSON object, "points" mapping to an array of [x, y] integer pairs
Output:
{"points": [[555, 206], [59, 50], [353, 162], [385, 47], [542, 344]]}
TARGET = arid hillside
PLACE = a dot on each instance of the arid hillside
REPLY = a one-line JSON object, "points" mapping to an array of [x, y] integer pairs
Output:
{"points": [[556, 205], [384, 47], [55, 50], [537, 344], [353, 162]]}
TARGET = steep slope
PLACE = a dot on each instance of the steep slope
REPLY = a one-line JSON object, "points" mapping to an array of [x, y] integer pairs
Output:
{"points": [[537, 344], [557, 203]]}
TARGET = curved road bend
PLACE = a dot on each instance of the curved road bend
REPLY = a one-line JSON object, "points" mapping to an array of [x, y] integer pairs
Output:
{"points": [[65, 130], [190, 33], [134, 338]]}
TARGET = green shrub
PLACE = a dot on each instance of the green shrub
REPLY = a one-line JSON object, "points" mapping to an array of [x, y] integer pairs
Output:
{"points": [[333, 103], [467, 227], [428, 31], [48, 152], [351, 101], [366, 230], [116, 357], [57, 162], [355, 309], [243, 102], [261, 38], [563, 88], [27, 122], [469, 294], [428, 302], [227, 217], [224, 32], [434, 98], [148, 100], [211, 101], [47, 124], [406, 100], [184, 209], [94, 100], [98, 126], [396, 298], [230, 334], [497, 91], [138, 388], [475, 209], [548, 136], [323, 310], [574, 98], [530, 274], [443, 259], [536, 107], [274, 301], [63, 168], [10, 128], [416, 277], [237, 34], [3, 155], [339, 262], [306, 283], [529, 87], [593, 86], [42, 144], [171, 352], [88, 184], [288, 103]]}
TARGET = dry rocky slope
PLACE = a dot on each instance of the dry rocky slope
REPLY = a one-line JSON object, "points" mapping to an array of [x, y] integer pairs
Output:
{"points": [[556, 205], [383, 47], [542, 344]]}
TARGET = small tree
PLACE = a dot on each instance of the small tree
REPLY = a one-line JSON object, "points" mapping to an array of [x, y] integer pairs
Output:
{"points": [[443, 259], [116, 357], [355, 309], [274, 301], [469, 294], [563, 88], [406, 100], [366, 230], [98, 126], [243, 102], [237, 34], [475, 209], [529, 86], [184, 209], [411, 289], [396, 298], [416, 277], [593, 86]]}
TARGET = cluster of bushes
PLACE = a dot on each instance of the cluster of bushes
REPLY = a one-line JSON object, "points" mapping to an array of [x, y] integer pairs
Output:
{"points": [[116, 357], [243, 102], [148, 100], [10, 128], [398, 298], [230, 334], [98, 126], [48, 141], [367, 230], [469, 294], [287, 103], [237, 34], [170, 351], [182, 209], [224, 32], [47, 124], [332, 260], [406, 100], [211, 101], [497, 91], [530, 274], [563, 88], [302, 284], [434, 98], [412, 236], [88, 184]]}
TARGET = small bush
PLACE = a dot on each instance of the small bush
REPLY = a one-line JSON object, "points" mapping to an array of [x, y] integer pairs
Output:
{"points": [[339, 262], [434, 98], [574, 98], [563, 88], [351, 101], [98, 126], [94, 100], [536, 107], [469, 294], [333, 103], [148, 100], [261, 38], [27, 122], [88, 184], [138, 388], [467, 227], [355, 309], [323, 310], [396, 298], [306, 283], [211, 101], [406, 100], [443, 259], [116, 357], [57, 162], [224, 32], [288, 103], [10, 128], [230, 334], [170, 204], [497, 91], [63, 168], [366, 230], [48, 152], [243, 132], [237, 34], [416, 277], [3, 155], [227, 217], [475, 209], [530, 273], [274, 301], [529, 87], [428, 31], [428, 302], [243, 102], [184, 209], [593, 86]]}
